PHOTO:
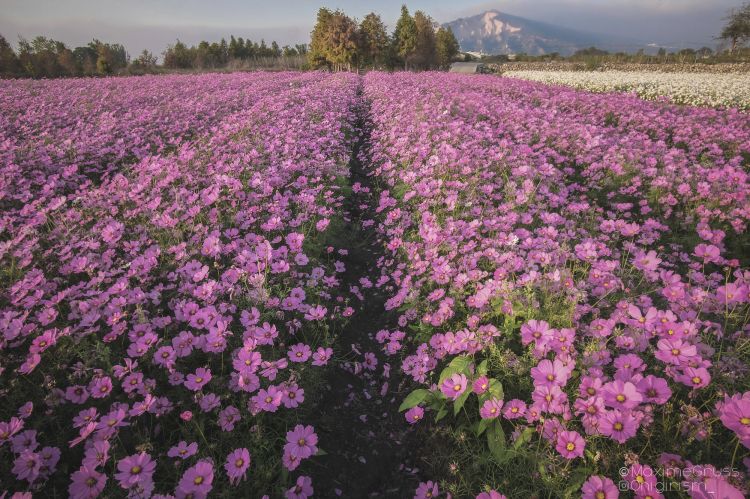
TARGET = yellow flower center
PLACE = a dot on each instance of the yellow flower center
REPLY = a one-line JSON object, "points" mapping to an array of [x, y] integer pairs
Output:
{"points": [[198, 480], [570, 446], [618, 426], [620, 398], [135, 470]]}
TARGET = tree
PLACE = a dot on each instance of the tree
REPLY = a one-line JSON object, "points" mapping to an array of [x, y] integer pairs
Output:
{"points": [[425, 56], [373, 40], [179, 56], [405, 36], [446, 47], [8, 59], [341, 41], [737, 28], [146, 60], [316, 56]]}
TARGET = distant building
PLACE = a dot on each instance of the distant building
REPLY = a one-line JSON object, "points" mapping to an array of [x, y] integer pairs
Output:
{"points": [[468, 67]]}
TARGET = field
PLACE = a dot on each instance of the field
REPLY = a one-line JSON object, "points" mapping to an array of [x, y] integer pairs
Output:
{"points": [[389, 285], [730, 90]]}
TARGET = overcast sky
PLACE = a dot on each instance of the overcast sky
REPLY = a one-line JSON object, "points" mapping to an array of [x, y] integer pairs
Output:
{"points": [[152, 24]]}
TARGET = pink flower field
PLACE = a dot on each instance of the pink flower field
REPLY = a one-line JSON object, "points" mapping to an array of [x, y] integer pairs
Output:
{"points": [[389, 285]]}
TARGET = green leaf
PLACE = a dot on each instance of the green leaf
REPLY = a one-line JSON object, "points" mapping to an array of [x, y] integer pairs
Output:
{"points": [[441, 413], [482, 425], [524, 437], [460, 401], [414, 398], [577, 477], [482, 368], [496, 441], [457, 365], [321, 452], [496, 389]]}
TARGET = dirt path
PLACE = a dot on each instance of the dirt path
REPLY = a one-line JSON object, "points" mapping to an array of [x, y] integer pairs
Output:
{"points": [[368, 443]]}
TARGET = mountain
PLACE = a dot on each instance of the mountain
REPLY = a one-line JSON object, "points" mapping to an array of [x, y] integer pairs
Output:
{"points": [[494, 32]]}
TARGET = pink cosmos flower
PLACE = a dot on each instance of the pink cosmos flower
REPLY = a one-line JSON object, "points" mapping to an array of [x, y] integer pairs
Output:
{"points": [[454, 386], [197, 381], [302, 489], [321, 356], [299, 353], [621, 395], [86, 483], [96, 455], [183, 450], [301, 442], [414, 415], [293, 396], [481, 385], [695, 377], [237, 464], [426, 490], [514, 409], [197, 480], [492, 494], [269, 400], [100, 387], [619, 426], [570, 444], [641, 480], [316, 313], [27, 465], [228, 417], [655, 390], [491, 408], [136, 469], [734, 413], [599, 487]]}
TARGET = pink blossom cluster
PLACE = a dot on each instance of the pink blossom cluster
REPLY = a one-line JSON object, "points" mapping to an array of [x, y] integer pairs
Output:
{"points": [[592, 248], [167, 275]]}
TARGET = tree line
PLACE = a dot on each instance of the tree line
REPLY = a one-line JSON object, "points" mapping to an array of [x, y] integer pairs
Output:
{"points": [[338, 42], [44, 57], [207, 55]]}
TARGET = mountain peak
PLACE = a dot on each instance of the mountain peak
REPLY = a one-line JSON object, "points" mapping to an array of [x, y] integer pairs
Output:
{"points": [[496, 32]]}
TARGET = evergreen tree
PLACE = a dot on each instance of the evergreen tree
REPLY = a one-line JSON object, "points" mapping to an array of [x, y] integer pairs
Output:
{"points": [[373, 40], [9, 65], [405, 37], [424, 56], [446, 47], [317, 56]]}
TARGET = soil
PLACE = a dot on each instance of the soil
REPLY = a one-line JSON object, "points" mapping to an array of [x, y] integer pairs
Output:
{"points": [[368, 444]]}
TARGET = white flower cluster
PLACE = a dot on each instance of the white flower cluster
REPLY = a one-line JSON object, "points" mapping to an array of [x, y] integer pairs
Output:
{"points": [[696, 89]]}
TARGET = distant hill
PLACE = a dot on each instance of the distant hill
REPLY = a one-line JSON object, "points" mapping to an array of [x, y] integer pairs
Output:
{"points": [[494, 32]]}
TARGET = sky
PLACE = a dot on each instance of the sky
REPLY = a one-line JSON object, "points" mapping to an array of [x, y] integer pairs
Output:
{"points": [[153, 24]]}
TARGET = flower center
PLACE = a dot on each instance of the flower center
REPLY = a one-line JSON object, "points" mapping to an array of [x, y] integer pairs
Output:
{"points": [[570, 446], [620, 398], [239, 462], [456, 387], [618, 426], [135, 469], [198, 480]]}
